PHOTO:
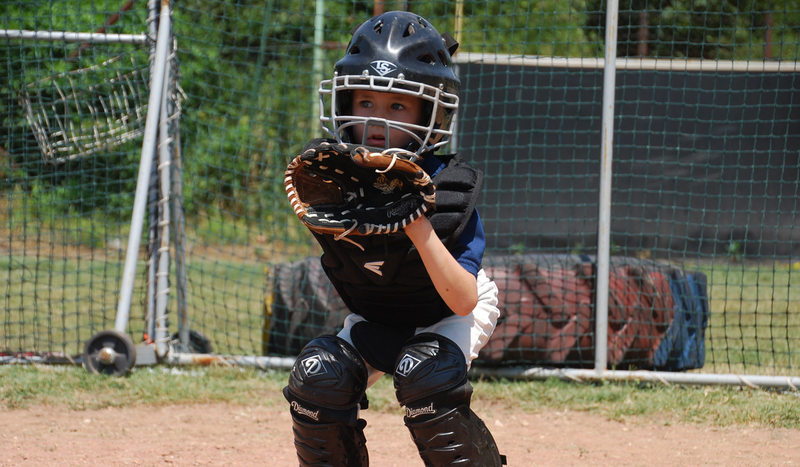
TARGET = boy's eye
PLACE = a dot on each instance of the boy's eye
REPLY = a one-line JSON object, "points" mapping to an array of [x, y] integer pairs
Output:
{"points": [[365, 104], [398, 106]]}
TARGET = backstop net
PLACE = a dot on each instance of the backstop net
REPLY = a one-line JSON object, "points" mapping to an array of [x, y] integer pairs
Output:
{"points": [[705, 248]]}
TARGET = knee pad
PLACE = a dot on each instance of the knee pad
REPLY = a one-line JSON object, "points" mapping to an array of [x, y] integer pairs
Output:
{"points": [[431, 375], [327, 382]]}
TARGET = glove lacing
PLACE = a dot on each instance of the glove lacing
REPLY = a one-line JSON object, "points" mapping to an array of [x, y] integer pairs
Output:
{"points": [[395, 153]]}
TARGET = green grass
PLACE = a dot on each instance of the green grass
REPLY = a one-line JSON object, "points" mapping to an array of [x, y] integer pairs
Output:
{"points": [[715, 405], [25, 386]]}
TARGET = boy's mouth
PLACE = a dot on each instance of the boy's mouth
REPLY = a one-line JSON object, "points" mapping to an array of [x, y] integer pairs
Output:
{"points": [[376, 140]]}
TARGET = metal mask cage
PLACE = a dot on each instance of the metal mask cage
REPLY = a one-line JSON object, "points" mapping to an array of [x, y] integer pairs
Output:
{"points": [[433, 134]]}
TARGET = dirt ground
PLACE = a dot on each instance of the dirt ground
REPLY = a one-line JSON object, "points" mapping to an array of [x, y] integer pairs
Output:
{"points": [[222, 434]]}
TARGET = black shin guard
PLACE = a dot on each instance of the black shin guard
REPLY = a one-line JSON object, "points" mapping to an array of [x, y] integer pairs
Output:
{"points": [[330, 444], [457, 437], [431, 382], [326, 386]]}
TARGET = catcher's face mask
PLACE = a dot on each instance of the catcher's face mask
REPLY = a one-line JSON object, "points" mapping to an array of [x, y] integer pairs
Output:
{"points": [[396, 52], [432, 131]]}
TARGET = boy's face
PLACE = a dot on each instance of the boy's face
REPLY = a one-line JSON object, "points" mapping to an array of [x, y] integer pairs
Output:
{"points": [[389, 106]]}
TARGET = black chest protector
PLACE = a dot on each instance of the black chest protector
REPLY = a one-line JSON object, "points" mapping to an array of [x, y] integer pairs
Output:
{"points": [[382, 277]]}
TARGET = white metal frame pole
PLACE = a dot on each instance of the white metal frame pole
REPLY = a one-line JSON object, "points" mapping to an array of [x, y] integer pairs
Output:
{"points": [[161, 337], [145, 165], [665, 377], [318, 61], [604, 214], [153, 8]]}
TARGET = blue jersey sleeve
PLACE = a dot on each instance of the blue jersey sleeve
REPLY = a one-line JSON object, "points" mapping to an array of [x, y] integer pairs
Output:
{"points": [[468, 251]]}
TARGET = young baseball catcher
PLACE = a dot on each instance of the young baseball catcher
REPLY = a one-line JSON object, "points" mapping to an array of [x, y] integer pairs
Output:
{"points": [[402, 244]]}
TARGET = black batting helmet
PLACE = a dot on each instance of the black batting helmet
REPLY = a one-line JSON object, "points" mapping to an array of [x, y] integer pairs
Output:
{"points": [[399, 52]]}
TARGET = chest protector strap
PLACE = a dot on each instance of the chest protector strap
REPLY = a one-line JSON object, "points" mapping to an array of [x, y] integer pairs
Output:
{"points": [[457, 188]]}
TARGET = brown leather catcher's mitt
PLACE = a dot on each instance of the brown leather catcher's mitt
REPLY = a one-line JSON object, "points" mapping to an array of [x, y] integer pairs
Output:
{"points": [[342, 189]]}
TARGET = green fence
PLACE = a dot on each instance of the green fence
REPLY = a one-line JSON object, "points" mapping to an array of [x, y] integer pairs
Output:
{"points": [[705, 173]]}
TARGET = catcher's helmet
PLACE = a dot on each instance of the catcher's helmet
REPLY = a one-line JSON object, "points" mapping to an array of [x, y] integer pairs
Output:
{"points": [[397, 52]]}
